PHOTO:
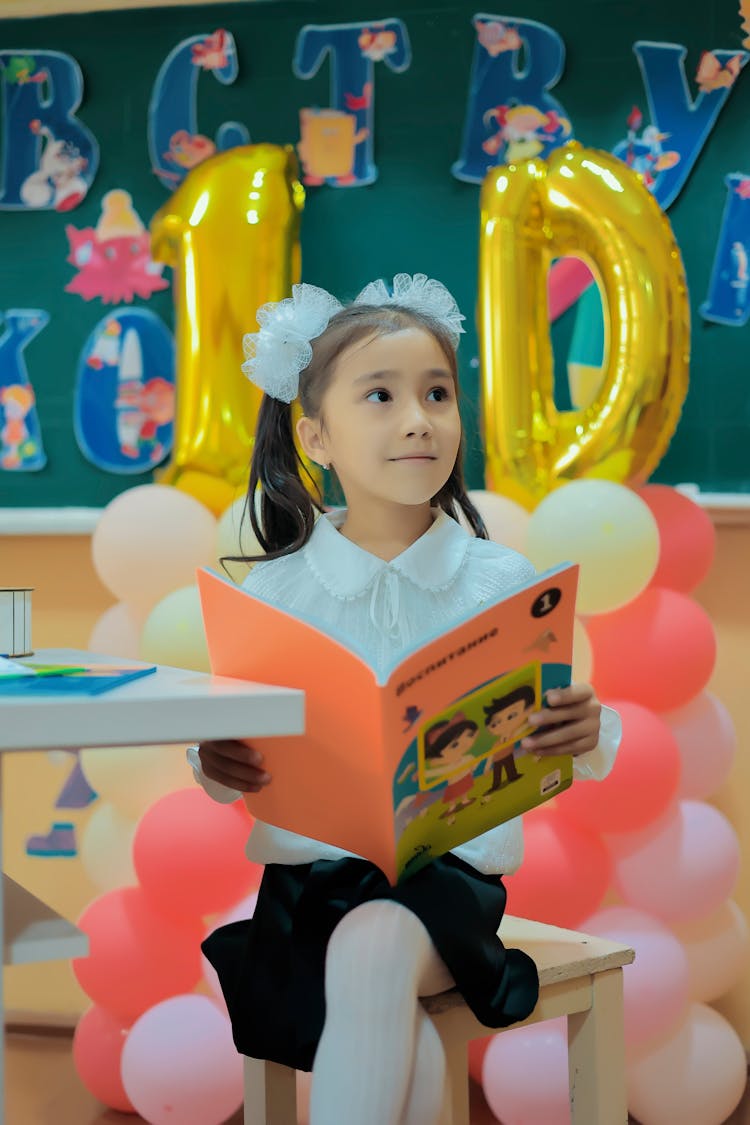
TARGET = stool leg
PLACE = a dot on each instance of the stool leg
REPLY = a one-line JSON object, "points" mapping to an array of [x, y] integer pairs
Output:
{"points": [[270, 1093], [457, 1082], [596, 1055]]}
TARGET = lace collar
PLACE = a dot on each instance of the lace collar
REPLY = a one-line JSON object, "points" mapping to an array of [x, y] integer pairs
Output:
{"points": [[346, 570]]}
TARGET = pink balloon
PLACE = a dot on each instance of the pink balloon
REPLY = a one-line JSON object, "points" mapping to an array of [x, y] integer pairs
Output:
{"points": [[643, 781], [180, 1066], [525, 1074], [681, 868], [137, 955], [189, 853], [659, 650], [565, 872], [655, 986], [686, 536], [717, 949], [706, 740], [696, 1077], [242, 910], [97, 1049]]}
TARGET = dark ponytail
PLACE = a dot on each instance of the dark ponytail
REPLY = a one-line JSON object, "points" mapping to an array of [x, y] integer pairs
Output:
{"points": [[283, 515]]}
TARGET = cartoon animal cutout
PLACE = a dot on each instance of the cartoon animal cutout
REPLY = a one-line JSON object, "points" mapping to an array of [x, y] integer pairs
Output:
{"points": [[497, 37], [186, 150], [58, 180], [328, 139], [376, 43], [114, 259], [213, 52]]}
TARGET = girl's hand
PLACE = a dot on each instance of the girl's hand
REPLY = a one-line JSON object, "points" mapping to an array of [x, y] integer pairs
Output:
{"points": [[234, 764], [570, 720]]}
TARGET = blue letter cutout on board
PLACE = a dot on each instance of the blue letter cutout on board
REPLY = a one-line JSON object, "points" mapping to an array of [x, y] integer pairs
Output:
{"points": [[727, 301], [337, 142], [124, 398], [670, 144], [49, 157], [174, 143], [21, 447], [511, 115]]}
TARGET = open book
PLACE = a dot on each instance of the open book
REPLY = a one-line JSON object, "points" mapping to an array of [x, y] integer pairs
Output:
{"points": [[406, 766]]}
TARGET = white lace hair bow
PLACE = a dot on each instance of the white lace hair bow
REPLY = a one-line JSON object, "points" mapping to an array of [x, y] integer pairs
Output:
{"points": [[281, 349]]}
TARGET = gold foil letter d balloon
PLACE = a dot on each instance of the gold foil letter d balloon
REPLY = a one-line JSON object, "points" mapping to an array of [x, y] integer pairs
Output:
{"points": [[231, 234], [588, 204]]}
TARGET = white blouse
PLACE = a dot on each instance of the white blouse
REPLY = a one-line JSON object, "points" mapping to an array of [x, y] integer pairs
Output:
{"points": [[382, 608]]}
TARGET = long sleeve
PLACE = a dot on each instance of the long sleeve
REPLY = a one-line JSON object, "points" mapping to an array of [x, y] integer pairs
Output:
{"points": [[595, 765]]}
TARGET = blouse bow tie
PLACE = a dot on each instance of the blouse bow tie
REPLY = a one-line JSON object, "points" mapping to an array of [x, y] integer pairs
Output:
{"points": [[385, 602]]}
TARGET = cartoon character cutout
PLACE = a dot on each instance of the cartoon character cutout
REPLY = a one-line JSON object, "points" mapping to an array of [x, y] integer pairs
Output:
{"points": [[739, 259], [376, 43], [447, 751], [497, 37], [505, 718], [328, 139], [16, 400], [712, 74], [114, 259], [213, 52], [58, 181], [523, 130], [645, 154], [186, 151]]}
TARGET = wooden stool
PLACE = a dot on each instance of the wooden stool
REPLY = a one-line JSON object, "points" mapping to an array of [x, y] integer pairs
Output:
{"points": [[579, 976]]}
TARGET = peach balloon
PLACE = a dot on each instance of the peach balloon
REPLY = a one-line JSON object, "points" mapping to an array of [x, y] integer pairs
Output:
{"points": [[506, 521], [717, 949], [132, 778], [680, 868], [235, 536], [106, 848], [707, 741], [117, 632], [149, 541]]}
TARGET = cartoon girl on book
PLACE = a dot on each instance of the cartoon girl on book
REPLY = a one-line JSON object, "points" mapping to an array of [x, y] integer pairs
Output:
{"points": [[447, 749], [328, 972]]}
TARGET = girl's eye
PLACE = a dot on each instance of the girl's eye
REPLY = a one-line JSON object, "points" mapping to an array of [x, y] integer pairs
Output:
{"points": [[382, 396], [441, 394]]}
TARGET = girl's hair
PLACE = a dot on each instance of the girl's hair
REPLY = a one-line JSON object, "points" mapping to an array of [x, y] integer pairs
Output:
{"points": [[283, 515], [446, 731]]}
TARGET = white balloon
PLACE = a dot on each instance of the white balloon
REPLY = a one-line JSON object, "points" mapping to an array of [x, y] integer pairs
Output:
{"points": [[695, 1077], [106, 848], [174, 634], [506, 521], [717, 949], [604, 527]]}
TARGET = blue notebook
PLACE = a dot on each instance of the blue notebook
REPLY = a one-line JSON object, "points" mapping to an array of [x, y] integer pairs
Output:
{"points": [[73, 680]]}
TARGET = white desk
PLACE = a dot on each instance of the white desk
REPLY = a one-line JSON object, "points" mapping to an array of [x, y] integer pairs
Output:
{"points": [[171, 705]]}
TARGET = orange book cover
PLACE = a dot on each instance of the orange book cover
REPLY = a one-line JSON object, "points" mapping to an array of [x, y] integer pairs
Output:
{"points": [[402, 767]]}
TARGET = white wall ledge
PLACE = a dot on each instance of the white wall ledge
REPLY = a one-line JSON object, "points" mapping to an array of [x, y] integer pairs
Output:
{"points": [[725, 508]]}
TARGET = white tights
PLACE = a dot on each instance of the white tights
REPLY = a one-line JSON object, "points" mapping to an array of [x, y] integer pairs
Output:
{"points": [[380, 1060]]}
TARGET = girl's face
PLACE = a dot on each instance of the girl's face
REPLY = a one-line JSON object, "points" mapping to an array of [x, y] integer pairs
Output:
{"points": [[389, 421]]}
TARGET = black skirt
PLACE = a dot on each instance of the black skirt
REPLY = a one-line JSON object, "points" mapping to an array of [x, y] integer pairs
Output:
{"points": [[272, 966]]}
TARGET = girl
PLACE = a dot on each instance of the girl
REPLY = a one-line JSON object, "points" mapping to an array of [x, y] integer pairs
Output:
{"points": [[330, 968]]}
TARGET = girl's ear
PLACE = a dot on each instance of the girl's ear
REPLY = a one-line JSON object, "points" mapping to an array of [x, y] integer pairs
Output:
{"points": [[311, 439]]}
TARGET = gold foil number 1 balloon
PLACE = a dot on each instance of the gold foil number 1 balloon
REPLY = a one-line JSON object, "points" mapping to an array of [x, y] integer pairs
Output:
{"points": [[588, 204], [231, 234]]}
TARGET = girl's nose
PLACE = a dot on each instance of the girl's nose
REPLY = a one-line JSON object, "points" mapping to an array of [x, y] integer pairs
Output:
{"points": [[417, 422]]}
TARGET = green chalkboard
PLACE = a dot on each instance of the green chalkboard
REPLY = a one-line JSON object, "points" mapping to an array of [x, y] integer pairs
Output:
{"points": [[415, 217]]}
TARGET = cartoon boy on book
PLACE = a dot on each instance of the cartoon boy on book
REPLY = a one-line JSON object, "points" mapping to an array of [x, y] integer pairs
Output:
{"points": [[504, 718]]}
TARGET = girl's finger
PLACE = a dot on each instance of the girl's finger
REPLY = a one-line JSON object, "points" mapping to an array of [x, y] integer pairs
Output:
{"points": [[567, 732], [575, 713], [580, 746], [575, 693]]}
